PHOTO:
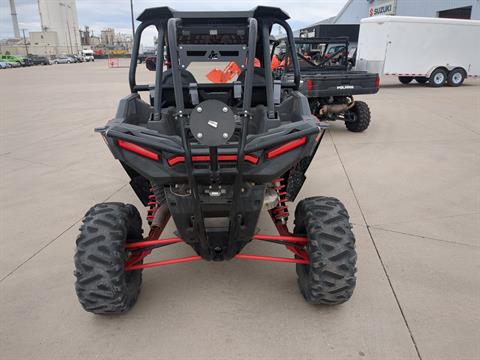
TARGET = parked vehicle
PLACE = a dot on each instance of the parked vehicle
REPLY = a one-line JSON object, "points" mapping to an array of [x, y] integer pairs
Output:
{"points": [[437, 51], [63, 59], [145, 55], [329, 83], [38, 60], [4, 65], [13, 64], [20, 60], [213, 156], [88, 55]]}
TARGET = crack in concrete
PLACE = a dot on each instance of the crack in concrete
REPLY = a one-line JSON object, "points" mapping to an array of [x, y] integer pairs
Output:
{"points": [[426, 219], [378, 252], [54, 239], [423, 237]]}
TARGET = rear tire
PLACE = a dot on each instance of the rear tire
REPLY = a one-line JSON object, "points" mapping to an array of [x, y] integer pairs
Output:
{"points": [[362, 117], [456, 77], [405, 79], [421, 79], [329, 279], [438, 78], [102, 285]]}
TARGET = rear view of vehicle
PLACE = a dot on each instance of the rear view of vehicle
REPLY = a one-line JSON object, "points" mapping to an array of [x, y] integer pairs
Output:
{"points": [[429, 50], [329, 83], [212, 156]]}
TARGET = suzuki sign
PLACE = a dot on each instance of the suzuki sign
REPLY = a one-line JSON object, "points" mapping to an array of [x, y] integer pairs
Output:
{"points": [[382, 7]]}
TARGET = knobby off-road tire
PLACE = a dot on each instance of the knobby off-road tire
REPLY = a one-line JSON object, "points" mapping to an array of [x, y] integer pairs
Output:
{"points": [[362, 117], [102, 285], [330, 277]]}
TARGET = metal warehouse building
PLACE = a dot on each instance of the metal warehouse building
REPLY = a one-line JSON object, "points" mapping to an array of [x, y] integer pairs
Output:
{"points": [[355, 10], [347, 22]]}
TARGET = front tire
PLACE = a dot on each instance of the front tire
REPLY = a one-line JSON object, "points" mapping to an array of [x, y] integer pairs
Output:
{"points": [[362, 117], [329, 279], [102, 285]]}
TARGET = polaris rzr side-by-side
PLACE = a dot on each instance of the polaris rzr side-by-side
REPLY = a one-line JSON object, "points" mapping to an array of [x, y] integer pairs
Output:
{"points": [[212, 156]]}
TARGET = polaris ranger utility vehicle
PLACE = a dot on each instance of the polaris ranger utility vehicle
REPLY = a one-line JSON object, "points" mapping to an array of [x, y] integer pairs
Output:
{"points": [[212, 156], [329, 83]]}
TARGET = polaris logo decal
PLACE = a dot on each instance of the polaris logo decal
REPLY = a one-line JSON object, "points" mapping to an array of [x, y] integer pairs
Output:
{"points": [[212, 123], [345, 87]]}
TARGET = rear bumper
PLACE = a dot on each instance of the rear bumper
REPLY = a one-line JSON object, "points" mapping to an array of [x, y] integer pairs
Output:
{"points": [[262, 162]]}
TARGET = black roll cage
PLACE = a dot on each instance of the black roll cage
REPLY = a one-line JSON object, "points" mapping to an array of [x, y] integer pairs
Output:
{"points": [[259, 21]]}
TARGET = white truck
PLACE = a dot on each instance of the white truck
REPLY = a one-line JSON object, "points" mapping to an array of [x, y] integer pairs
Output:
{"points": [[88, 55], [432, 50]]}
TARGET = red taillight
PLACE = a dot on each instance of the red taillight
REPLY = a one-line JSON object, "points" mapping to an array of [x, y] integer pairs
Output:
{"points": [[174, 160], [286, 147], [251, 159], [309, 84], [377, 82], [138, 149]]}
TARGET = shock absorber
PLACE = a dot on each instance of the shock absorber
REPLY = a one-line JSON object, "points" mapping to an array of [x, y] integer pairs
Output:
{"points": [[280, 212], [152, 207]]}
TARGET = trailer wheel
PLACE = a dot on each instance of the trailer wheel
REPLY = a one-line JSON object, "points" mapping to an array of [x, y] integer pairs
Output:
{"points": [[330, 277], [438, 77], [362, 117], [405, 79], [102, 285], [421, 79], [456, 77]]}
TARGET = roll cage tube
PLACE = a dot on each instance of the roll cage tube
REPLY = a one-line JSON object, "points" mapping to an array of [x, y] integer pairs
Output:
{"points": [[248, 85], [291, 45], [136, 47], [177, 79], [157, 97]]}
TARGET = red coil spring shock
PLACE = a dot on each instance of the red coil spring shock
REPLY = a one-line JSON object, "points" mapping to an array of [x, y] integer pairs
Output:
{"points": [[152, 207], [280, 212]]}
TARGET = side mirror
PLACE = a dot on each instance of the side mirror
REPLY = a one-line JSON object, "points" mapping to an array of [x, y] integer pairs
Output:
{"points": [[151, 63]]}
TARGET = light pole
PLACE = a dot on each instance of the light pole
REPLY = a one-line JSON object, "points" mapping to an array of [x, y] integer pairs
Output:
{"points": [[25, 42], [133, 21]]}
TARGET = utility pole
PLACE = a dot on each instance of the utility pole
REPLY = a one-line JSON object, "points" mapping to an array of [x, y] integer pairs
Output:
{"points": [[25, 42], [133, 20]]}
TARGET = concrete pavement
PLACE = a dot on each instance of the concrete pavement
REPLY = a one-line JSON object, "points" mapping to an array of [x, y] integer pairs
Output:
{"points": [[411, 183]]}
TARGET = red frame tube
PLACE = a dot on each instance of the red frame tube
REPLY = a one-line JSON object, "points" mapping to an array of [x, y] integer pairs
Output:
{"points": [[163, 262], [133, 262], [142, 244], [271, 258]]}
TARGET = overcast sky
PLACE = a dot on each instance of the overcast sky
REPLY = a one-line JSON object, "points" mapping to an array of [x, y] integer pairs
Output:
{"points": [[99, 14]]}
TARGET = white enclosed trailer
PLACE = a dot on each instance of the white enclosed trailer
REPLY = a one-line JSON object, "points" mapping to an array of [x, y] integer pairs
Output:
{"points": [[425, 49]]}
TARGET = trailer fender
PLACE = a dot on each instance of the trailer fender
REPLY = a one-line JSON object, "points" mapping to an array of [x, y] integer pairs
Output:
{"points": [[447, 68]]}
